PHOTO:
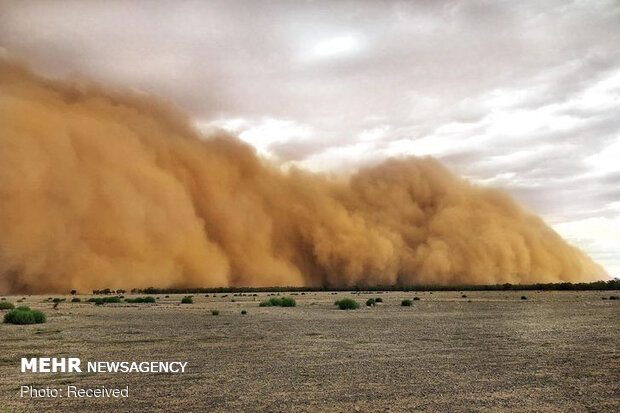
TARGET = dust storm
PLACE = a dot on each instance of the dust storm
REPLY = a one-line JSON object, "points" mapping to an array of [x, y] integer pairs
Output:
{"points": [[108, 188]]}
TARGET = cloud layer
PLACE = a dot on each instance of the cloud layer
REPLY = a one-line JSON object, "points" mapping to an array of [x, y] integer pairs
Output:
{"points": [[519, 94]]}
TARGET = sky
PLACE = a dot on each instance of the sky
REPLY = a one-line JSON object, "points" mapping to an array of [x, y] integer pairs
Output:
{"points": [[524, 95]]}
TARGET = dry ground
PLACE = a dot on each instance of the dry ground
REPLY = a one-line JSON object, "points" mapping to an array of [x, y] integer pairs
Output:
{"points": [[491, 351]]}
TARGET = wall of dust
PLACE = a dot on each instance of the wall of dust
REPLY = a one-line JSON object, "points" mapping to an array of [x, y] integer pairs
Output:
{"points": [[101, 188]]}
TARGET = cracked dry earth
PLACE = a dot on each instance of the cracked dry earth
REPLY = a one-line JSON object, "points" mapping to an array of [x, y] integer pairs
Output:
{"points": [[490, 351]]}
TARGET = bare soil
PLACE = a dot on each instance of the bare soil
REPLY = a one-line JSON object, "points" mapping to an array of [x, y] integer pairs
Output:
{"points": [[489, 351]]}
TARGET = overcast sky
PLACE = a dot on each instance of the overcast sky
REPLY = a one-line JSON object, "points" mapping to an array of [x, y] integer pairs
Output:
{"points": [[519, 94]]}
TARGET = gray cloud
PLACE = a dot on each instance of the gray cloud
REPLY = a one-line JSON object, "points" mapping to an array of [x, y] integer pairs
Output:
{"points": [[519, 94]]}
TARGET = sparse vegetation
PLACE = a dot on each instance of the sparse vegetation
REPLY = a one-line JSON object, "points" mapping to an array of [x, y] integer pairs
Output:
{"points": [[140, 300], [278, 302], [188, 299], [347, 304], [24, 315], [5, 305], [370, 302], [406, 303]]}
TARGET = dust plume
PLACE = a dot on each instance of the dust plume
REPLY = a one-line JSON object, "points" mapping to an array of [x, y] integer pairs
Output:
{"points": [[110, 189]]}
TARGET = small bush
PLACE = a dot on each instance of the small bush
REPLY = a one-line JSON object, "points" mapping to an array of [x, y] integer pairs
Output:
{"points": [[187, 300], [288, 302], [347, 304], [2, 299], [243, 312], [111, 299], [378, 300], [215, 312], [370, 302], [24, 315], [5, 305], [614, 297], [98, 301], [406, 303], [523, 297], [58, 300], [278, 302], [140, 300], [416, 298], [76, 300], [464, 296]]}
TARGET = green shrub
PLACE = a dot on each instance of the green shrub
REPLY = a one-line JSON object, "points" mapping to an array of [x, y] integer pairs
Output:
{"points": [[347, 304], [76, 300], [140, 300], [288, 302], [187, 300], [58, 300], [111, 299], [5, 305], [406, 303], [215, 312], [24, 315], [278, 302], [370, 302], [98, 301], [243, 312], [378, 300]]}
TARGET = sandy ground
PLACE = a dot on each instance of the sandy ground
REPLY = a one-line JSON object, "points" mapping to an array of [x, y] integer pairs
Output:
{"points": [[490, 351]]}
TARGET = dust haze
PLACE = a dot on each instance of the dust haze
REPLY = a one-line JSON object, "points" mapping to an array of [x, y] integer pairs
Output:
{"points": [[105, 188]]}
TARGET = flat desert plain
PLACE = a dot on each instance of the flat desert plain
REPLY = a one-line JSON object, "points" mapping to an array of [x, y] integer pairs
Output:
{"points": [[489, 351]]}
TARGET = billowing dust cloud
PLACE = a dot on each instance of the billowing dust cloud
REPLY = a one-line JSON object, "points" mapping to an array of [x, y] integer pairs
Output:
{"points": [[107, 189]]}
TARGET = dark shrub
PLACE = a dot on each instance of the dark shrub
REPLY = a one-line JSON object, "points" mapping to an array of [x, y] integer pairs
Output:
{"points": [[288, 302], [523, 297], [347, 304], [187, 300], [58, 300], [614, 297], [416, 298], [370, 302], [24, 315], [167, 296], [75, 300], [464, 296], [73, 292], [406, 303], [111, 299], [243, 312], [140, 300], [98, 301], [5, 305], [215, 312], [278, 302], [378, 300]]}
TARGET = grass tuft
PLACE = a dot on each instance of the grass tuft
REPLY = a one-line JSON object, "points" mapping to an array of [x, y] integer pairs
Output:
{"points": [[347, 304]]}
